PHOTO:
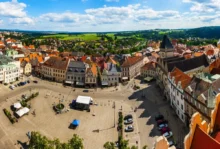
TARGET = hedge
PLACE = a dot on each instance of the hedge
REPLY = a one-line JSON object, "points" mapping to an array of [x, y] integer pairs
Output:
{"points": [[8, 114]]}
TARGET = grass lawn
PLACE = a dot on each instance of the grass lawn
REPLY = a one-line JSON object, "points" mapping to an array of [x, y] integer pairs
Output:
{"points": [[86, 37]]}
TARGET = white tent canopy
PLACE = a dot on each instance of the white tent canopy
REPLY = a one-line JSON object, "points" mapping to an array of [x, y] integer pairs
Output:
{"points": [[17, 105], [23, 111], [84, 99]]}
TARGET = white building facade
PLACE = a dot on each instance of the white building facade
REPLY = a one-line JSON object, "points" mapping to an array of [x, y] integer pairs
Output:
{"points": [[9, 69]]}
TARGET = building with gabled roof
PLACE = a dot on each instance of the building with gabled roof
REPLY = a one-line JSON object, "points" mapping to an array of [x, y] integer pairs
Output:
{"points": [[75, 74], [199, 96], [177, 82], [9, 69], [55, 69], [131, 67], [149, 69], [91, 75]]}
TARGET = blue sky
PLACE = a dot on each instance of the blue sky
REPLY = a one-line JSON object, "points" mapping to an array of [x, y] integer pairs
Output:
{"points": [[107, 15]]}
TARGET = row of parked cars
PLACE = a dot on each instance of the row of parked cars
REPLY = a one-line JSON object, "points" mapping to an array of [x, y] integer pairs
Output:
{"points": [[12, 87], [164, 129], [128, 121]]}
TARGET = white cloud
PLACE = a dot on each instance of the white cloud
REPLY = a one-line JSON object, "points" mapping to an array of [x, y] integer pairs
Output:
{"points": [[12, 9], [24, 20], [205, 6]]}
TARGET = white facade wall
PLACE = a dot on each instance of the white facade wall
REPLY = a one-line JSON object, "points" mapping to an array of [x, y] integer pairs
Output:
{"points": [[177, 98]]}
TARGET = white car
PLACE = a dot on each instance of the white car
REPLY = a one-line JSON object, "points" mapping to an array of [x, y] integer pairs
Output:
{"points": [[12, 87], [171, 143], [128, 121], [162, 126], [129, 128], [168, 134]]}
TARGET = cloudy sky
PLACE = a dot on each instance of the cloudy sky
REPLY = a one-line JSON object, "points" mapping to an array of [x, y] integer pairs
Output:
{"points": [[107, 15]]}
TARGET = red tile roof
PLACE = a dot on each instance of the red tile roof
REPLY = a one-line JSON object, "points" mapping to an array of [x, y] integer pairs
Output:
{"points": [[202, 140], [210, 52], [214, 68], [180, 76], [197, 54], [57, 63], [129, 61], [148, 66]]}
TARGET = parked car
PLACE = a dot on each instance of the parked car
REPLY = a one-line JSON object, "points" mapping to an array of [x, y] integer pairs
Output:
{"points": [[28, 81], [164, 130], [159, 117], [162, 126], [168, 134], [35, 81], [129, 128], [22, 83], [128, 121], [12, 87], [162, 122], [128, 117], [171, 143], [18, 84]]}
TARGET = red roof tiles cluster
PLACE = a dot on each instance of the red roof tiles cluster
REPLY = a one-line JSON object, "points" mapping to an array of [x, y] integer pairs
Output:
{"points": [[202, 140], [129, 61], [180, 76]]}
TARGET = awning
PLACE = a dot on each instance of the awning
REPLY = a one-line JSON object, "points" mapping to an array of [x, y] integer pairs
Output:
{"points": [[23, 111], [124, 78], [69, 82], [84, 100], [148, 79], [104, 83], [80, 83], [17, 105], [75, 122]]}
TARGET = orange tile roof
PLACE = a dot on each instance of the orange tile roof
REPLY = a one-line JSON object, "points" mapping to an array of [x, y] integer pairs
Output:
{"points": [[187, 56], [110, 60], [129, 61], [180, 76], [155, 54], [210, 52], [94, 69], [197, 54], [36, 55], [57, 63], [150, 65], [201, 140], [138, 54], [31, 46], [24, 59], [214, 66]]}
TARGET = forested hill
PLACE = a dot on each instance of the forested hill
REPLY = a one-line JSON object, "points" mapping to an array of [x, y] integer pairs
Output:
{"points": [[203, 32]]}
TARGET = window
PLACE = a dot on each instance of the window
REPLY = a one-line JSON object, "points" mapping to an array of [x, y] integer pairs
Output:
{"points": [[177, 93], [182, 117], [182, 106], [177, 102]]}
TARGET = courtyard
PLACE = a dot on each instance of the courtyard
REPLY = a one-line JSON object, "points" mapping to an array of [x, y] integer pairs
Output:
{"points": [[97, 126]]}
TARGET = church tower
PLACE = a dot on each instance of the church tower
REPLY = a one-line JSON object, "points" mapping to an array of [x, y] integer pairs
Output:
{"points": [[166, 48]]}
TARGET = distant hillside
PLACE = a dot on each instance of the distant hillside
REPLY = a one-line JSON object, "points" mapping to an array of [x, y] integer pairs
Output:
{"points": [[204, 32], [212, 32]]}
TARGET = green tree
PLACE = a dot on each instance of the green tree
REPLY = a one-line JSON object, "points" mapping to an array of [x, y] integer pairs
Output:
{"points": [[76, 142], [134, 147], [145, 147], [109, 145]]}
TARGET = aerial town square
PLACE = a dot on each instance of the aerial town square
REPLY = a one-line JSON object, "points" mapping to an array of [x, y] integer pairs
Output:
{"points": [[109, 74]]}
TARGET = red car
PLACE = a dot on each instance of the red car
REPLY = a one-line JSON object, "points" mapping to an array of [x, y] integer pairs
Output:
{"points": [[162, 122], [164, 130]]}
